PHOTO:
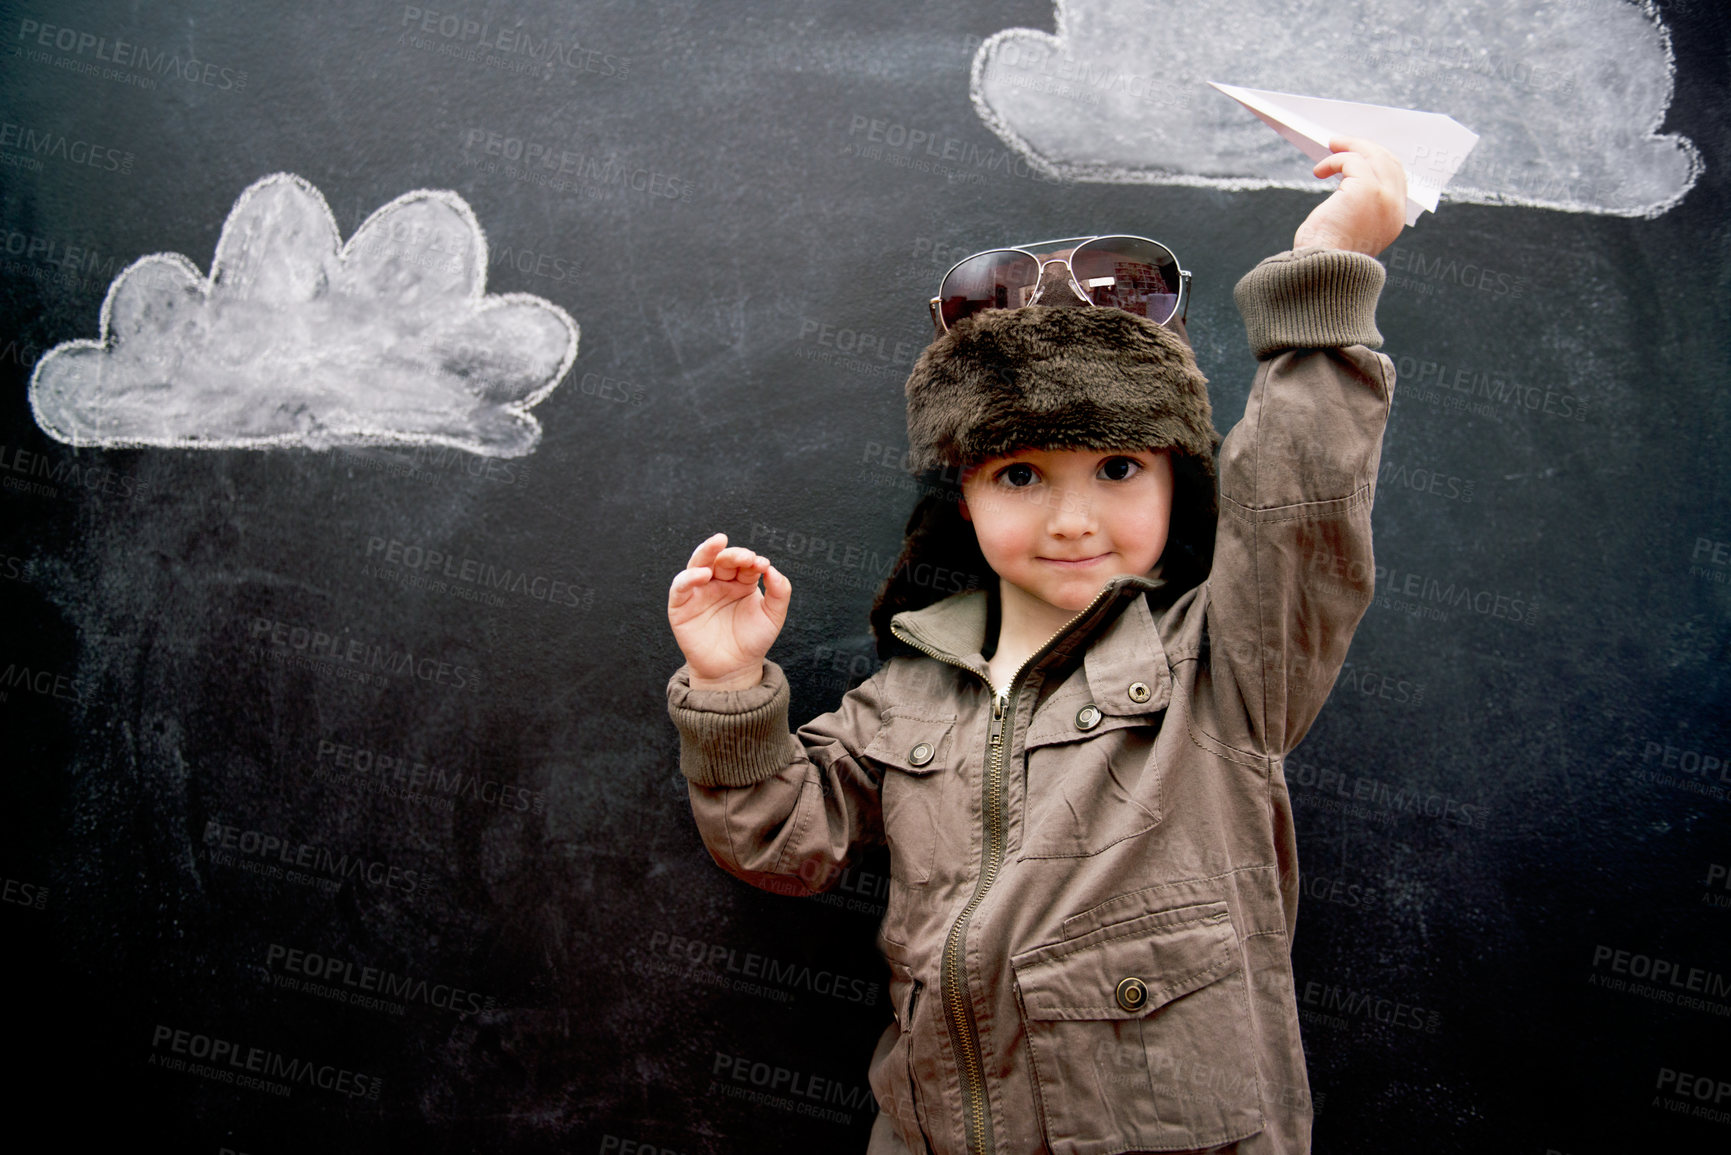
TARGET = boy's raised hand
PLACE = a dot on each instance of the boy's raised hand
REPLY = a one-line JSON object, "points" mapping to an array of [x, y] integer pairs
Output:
{"points": [[1368, 210], [721, 620]]}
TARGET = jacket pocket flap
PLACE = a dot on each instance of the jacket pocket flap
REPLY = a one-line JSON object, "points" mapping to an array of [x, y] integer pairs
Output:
{"points": [[1054, 727], [913, 743], [1169, 953]]}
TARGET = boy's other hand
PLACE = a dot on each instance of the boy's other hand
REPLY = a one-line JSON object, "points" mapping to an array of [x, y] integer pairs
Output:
{"points": [[1367, 212], [721, 620]]}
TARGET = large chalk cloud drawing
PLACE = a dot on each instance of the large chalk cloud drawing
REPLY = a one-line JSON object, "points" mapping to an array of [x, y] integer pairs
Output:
{"points": [[296, 339], [1567, 96]]}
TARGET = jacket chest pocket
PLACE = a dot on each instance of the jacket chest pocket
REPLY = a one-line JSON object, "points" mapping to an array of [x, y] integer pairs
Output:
{"points": [[918, 757], [1141, 1036], [1085, 796]]}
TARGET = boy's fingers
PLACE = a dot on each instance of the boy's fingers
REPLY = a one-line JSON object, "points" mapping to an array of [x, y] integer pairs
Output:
{"points": [[1363, 146], [725, 563], [715, 561], [1356, 157], [777, 593], [706, 551], [1347, 164], [776, 587], [740, 564], [685, 582], [1383, 166], [728, 569]]}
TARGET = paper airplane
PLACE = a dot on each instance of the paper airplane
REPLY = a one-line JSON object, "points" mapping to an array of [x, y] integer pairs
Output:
{"points": [[1430, 145]]}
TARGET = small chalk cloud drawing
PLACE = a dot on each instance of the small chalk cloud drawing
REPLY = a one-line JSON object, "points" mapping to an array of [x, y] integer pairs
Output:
{"points": [[1568, 96], [296, 339]]}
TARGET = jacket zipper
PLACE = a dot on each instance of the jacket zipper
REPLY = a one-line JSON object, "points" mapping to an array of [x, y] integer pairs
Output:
{"points": [[964, 1031]]}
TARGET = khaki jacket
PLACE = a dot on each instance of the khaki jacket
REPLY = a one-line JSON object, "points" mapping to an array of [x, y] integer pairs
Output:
{"points": [[1093, 887]]}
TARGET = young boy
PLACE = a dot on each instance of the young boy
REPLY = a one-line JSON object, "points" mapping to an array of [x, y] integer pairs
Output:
{"points": [[1078, 769]]}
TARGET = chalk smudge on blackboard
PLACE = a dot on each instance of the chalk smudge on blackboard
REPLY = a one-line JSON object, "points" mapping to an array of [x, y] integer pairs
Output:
{"points": [[296, 339], [1568, 96]]}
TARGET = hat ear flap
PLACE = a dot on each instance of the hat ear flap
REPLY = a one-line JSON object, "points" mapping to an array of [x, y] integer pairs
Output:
{"points": [[940, 556], [1189, 554]]}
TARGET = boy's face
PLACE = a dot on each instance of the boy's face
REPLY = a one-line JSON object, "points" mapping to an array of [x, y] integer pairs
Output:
{"points": [[1057, 524]]}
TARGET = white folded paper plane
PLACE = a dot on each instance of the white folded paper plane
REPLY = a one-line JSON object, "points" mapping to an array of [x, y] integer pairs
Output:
{"points": [[1430, 145]]}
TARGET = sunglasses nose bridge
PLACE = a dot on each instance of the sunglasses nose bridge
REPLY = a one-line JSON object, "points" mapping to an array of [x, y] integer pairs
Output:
{"points": [[1057, 287]]}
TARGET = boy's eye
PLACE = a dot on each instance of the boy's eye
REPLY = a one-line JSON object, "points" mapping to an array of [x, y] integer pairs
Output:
{"points": [[1118, 468], [1017, 476]]}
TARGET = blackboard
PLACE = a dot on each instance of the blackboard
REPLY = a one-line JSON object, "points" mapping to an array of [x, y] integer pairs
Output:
{"points": [[349, 757]]}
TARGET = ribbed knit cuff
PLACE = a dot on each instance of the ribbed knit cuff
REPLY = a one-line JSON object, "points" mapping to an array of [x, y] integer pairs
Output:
{"points": [[1314, 298], [731, 737]]}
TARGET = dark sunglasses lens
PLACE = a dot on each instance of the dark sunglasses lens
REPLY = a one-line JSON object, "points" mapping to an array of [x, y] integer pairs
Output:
{"points": [[1126, 273], [1000, 280]]}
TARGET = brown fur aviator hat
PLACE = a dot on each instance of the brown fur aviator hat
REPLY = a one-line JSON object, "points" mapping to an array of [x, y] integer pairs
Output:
{"points": [[1044, 377], [1056, 378]]}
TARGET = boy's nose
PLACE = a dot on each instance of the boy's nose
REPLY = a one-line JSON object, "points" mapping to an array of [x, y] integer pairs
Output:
{"points": [[1070, 515], [1057, 288]]}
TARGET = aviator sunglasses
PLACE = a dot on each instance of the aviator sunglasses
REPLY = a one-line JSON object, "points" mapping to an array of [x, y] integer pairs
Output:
{"points": [[1135, 274]]}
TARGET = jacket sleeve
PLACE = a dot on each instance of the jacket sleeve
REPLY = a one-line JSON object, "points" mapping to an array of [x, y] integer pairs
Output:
{"points": [[1292, 571], [781, 811]]}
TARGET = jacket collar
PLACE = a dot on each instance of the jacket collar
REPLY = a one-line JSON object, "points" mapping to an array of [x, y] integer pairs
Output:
{"points": [[1118, 629]]}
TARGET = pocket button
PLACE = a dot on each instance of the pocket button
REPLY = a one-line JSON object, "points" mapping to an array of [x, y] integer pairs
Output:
{"points": [[1132, 994], [1088, 717], [1139, 692], [921, 754]]}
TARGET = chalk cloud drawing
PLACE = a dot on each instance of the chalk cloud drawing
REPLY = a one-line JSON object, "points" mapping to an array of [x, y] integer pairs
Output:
{"points": [[296, 339], [1567, 96]]}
